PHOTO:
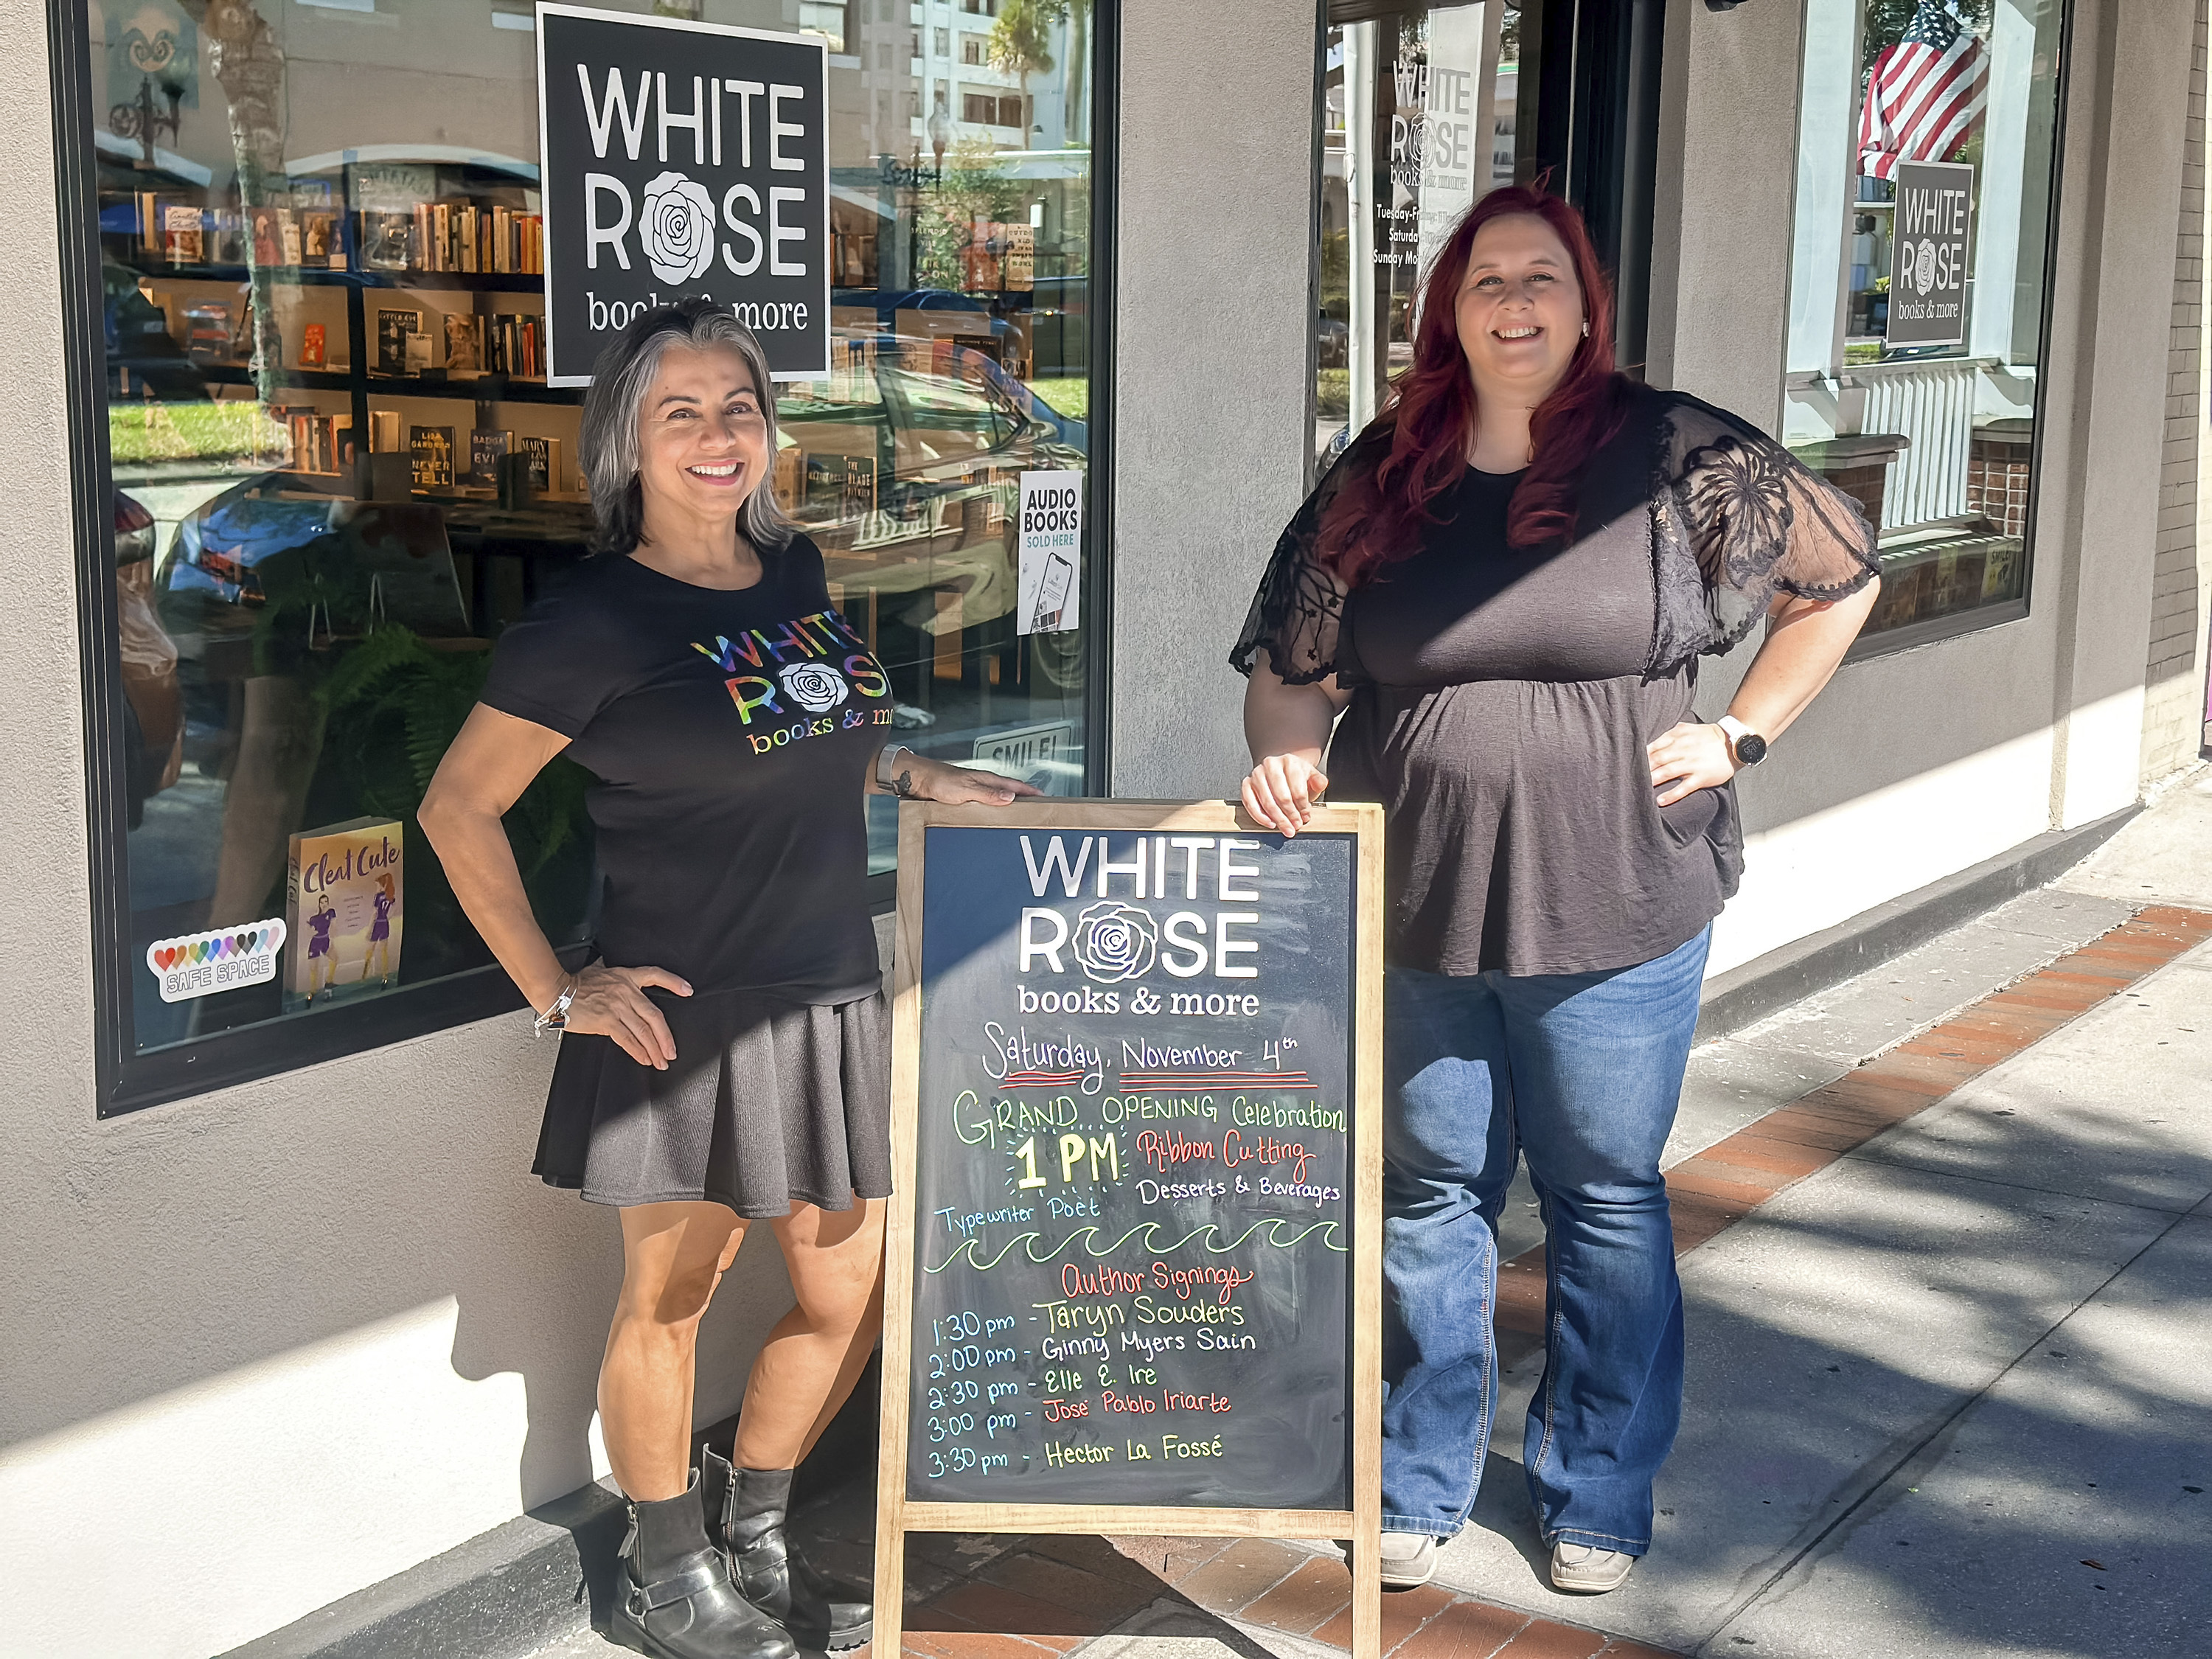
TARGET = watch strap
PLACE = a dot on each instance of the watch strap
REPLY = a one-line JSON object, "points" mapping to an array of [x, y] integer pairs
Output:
{"points": [[1735, 732]]}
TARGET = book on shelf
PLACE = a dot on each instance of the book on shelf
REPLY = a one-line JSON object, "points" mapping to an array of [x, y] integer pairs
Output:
{"points": [[288, 236], [846, 484], [432, 448], [418, 354], [1019, 266], [463, 341], [393, 330], [319, 240], [542, 460], [387, 240], [787, 478], [488, 453], [181, 235], [853, 369], [383, 431], [344, 888], [268, 241], [150, 242], [321, 444], [208, 335], [464, 237], [514, 344], [311, 345]]}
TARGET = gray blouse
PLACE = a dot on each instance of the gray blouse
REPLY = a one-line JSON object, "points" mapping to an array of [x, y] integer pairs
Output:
{"points": [[1502, 696]]}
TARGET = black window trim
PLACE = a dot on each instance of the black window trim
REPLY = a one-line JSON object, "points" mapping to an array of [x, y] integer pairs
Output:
{"points": [[1934, 630], [125, 1081]]}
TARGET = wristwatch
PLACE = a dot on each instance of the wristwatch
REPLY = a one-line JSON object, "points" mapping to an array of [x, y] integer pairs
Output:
{"points": [[1746, 746]]}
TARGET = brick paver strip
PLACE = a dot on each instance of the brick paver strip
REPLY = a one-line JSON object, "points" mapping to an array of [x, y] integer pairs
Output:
{"points": [[1305, 1602], [1058, 1588], [1468, 1629]]}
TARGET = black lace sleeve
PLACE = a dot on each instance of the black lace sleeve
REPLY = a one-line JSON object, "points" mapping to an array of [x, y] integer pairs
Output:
{"points": [[1753, 521], [1300, 603]]}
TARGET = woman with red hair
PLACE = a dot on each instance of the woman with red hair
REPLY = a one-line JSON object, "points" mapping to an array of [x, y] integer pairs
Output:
{"points": [[1502, 588]]}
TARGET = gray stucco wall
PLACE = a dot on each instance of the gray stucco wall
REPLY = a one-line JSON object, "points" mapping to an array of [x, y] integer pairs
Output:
{"points": [[1212, 328], [288, 1339]]}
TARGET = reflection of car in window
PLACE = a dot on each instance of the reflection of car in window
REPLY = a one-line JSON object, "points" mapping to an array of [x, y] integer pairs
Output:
{"points": [[905, 467]]}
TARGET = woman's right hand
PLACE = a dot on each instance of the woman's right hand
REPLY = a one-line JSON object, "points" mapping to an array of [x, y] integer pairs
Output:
{"points": [[1282, 791], [611, 1002]]}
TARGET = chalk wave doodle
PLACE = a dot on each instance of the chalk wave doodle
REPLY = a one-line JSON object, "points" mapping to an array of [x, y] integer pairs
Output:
{"points": [[1272, 1226]]}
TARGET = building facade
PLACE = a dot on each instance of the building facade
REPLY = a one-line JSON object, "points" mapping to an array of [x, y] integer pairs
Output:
{"points": [[281, 1299]]}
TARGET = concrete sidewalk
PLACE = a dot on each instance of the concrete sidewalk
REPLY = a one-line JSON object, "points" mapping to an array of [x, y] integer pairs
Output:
{"points": [[1947, 1248]]}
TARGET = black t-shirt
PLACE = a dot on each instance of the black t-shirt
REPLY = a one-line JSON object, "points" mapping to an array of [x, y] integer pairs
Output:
{"points": [[1468, 606], [733, 734]]}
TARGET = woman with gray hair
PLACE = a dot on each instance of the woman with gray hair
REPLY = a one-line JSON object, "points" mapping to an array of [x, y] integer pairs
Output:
{"points": [[726, 1059]]}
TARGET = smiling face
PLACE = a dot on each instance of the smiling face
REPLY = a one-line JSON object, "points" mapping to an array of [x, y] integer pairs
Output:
{"points": [[702, 435], [1520, 309]]}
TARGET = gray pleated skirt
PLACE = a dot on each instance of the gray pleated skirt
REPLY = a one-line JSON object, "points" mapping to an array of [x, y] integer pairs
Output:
{"points": [[769, 1103]]}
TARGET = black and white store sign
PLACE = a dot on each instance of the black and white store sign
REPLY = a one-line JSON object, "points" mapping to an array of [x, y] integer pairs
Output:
{"points": [[1928, 257], [681, 159]]}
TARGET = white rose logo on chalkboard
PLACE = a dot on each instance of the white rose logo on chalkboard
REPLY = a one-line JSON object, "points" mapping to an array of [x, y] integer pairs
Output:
{"points": [[815, 686], [676, 228], [1114, 942]]}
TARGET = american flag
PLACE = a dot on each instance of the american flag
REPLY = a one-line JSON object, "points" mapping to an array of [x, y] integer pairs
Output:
{"points": [[1925, 96]]}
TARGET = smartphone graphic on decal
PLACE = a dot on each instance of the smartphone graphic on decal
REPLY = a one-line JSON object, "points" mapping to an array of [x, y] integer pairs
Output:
{"points": [[1053, 585]]}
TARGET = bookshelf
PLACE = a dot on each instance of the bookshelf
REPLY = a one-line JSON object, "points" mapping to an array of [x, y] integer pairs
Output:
{"points": [[452, 254]]}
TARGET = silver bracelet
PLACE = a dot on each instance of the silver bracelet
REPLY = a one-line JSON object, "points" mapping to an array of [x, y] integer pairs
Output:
{"points": [[899, 783], [556, 1019]]}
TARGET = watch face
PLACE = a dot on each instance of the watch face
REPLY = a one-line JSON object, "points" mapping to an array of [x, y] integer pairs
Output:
{"points": [[1750, 749]]}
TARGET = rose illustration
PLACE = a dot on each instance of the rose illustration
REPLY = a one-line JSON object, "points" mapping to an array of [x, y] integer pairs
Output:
{"points": [[1114, 942], [676, 227], [814, 686]]}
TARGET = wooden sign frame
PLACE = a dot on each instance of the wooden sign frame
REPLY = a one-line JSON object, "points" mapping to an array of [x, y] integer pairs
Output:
{"points": [[895, 1514]]}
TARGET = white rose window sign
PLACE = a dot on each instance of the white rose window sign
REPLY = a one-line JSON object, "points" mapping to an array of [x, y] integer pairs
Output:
{"points": [[676, 227], [1114, 941]]}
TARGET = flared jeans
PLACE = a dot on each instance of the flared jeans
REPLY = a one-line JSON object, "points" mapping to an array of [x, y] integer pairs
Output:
{"points": [[1580, 1074]]}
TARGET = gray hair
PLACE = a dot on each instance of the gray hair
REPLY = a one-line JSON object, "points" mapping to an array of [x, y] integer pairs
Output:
{"points": [[608, 443]]}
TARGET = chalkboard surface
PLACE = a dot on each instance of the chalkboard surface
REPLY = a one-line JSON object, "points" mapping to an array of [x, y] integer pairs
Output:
{"points": [[1131, 1203]]}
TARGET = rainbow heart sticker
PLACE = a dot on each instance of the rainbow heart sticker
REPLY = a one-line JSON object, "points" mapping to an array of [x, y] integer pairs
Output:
{"points": [[205, 965]]}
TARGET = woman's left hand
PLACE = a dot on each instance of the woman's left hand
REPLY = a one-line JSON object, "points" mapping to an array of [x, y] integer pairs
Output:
{"points": [[1688, 758], [937, 781]]}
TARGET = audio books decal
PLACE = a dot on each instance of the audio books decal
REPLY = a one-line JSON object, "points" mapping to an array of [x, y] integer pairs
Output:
{"points": [[1049, 577]]}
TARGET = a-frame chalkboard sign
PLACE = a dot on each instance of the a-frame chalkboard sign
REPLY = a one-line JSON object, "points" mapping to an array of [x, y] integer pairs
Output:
{"points": [[1135, 1250]]}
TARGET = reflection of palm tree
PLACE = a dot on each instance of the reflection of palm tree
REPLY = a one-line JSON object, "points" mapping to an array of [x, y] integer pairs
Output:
{"points": [[1021, 43], [248, 63]]}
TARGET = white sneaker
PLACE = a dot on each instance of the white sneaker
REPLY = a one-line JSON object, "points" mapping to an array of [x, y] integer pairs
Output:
{"points": [[1409, 1560], [1581, 1571]]}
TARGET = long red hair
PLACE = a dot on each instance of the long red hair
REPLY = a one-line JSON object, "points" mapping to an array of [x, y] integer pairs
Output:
{"points": [[1377, 516]]}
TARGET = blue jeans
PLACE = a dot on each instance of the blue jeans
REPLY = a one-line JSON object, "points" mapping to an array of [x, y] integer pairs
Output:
{"points": [[1581, 1074]]}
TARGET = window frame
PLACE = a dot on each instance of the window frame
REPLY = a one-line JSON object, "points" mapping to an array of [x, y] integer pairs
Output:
{"points": [[1935, 629], [127, 1081]]}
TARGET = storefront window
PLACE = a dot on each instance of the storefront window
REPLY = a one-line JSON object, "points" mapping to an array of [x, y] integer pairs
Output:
{"points": [[338, 471], [1926, 167], [1418, 120]]}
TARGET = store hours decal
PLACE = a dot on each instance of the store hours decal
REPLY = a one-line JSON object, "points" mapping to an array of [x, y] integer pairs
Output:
{"points": [[681, 159]]}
